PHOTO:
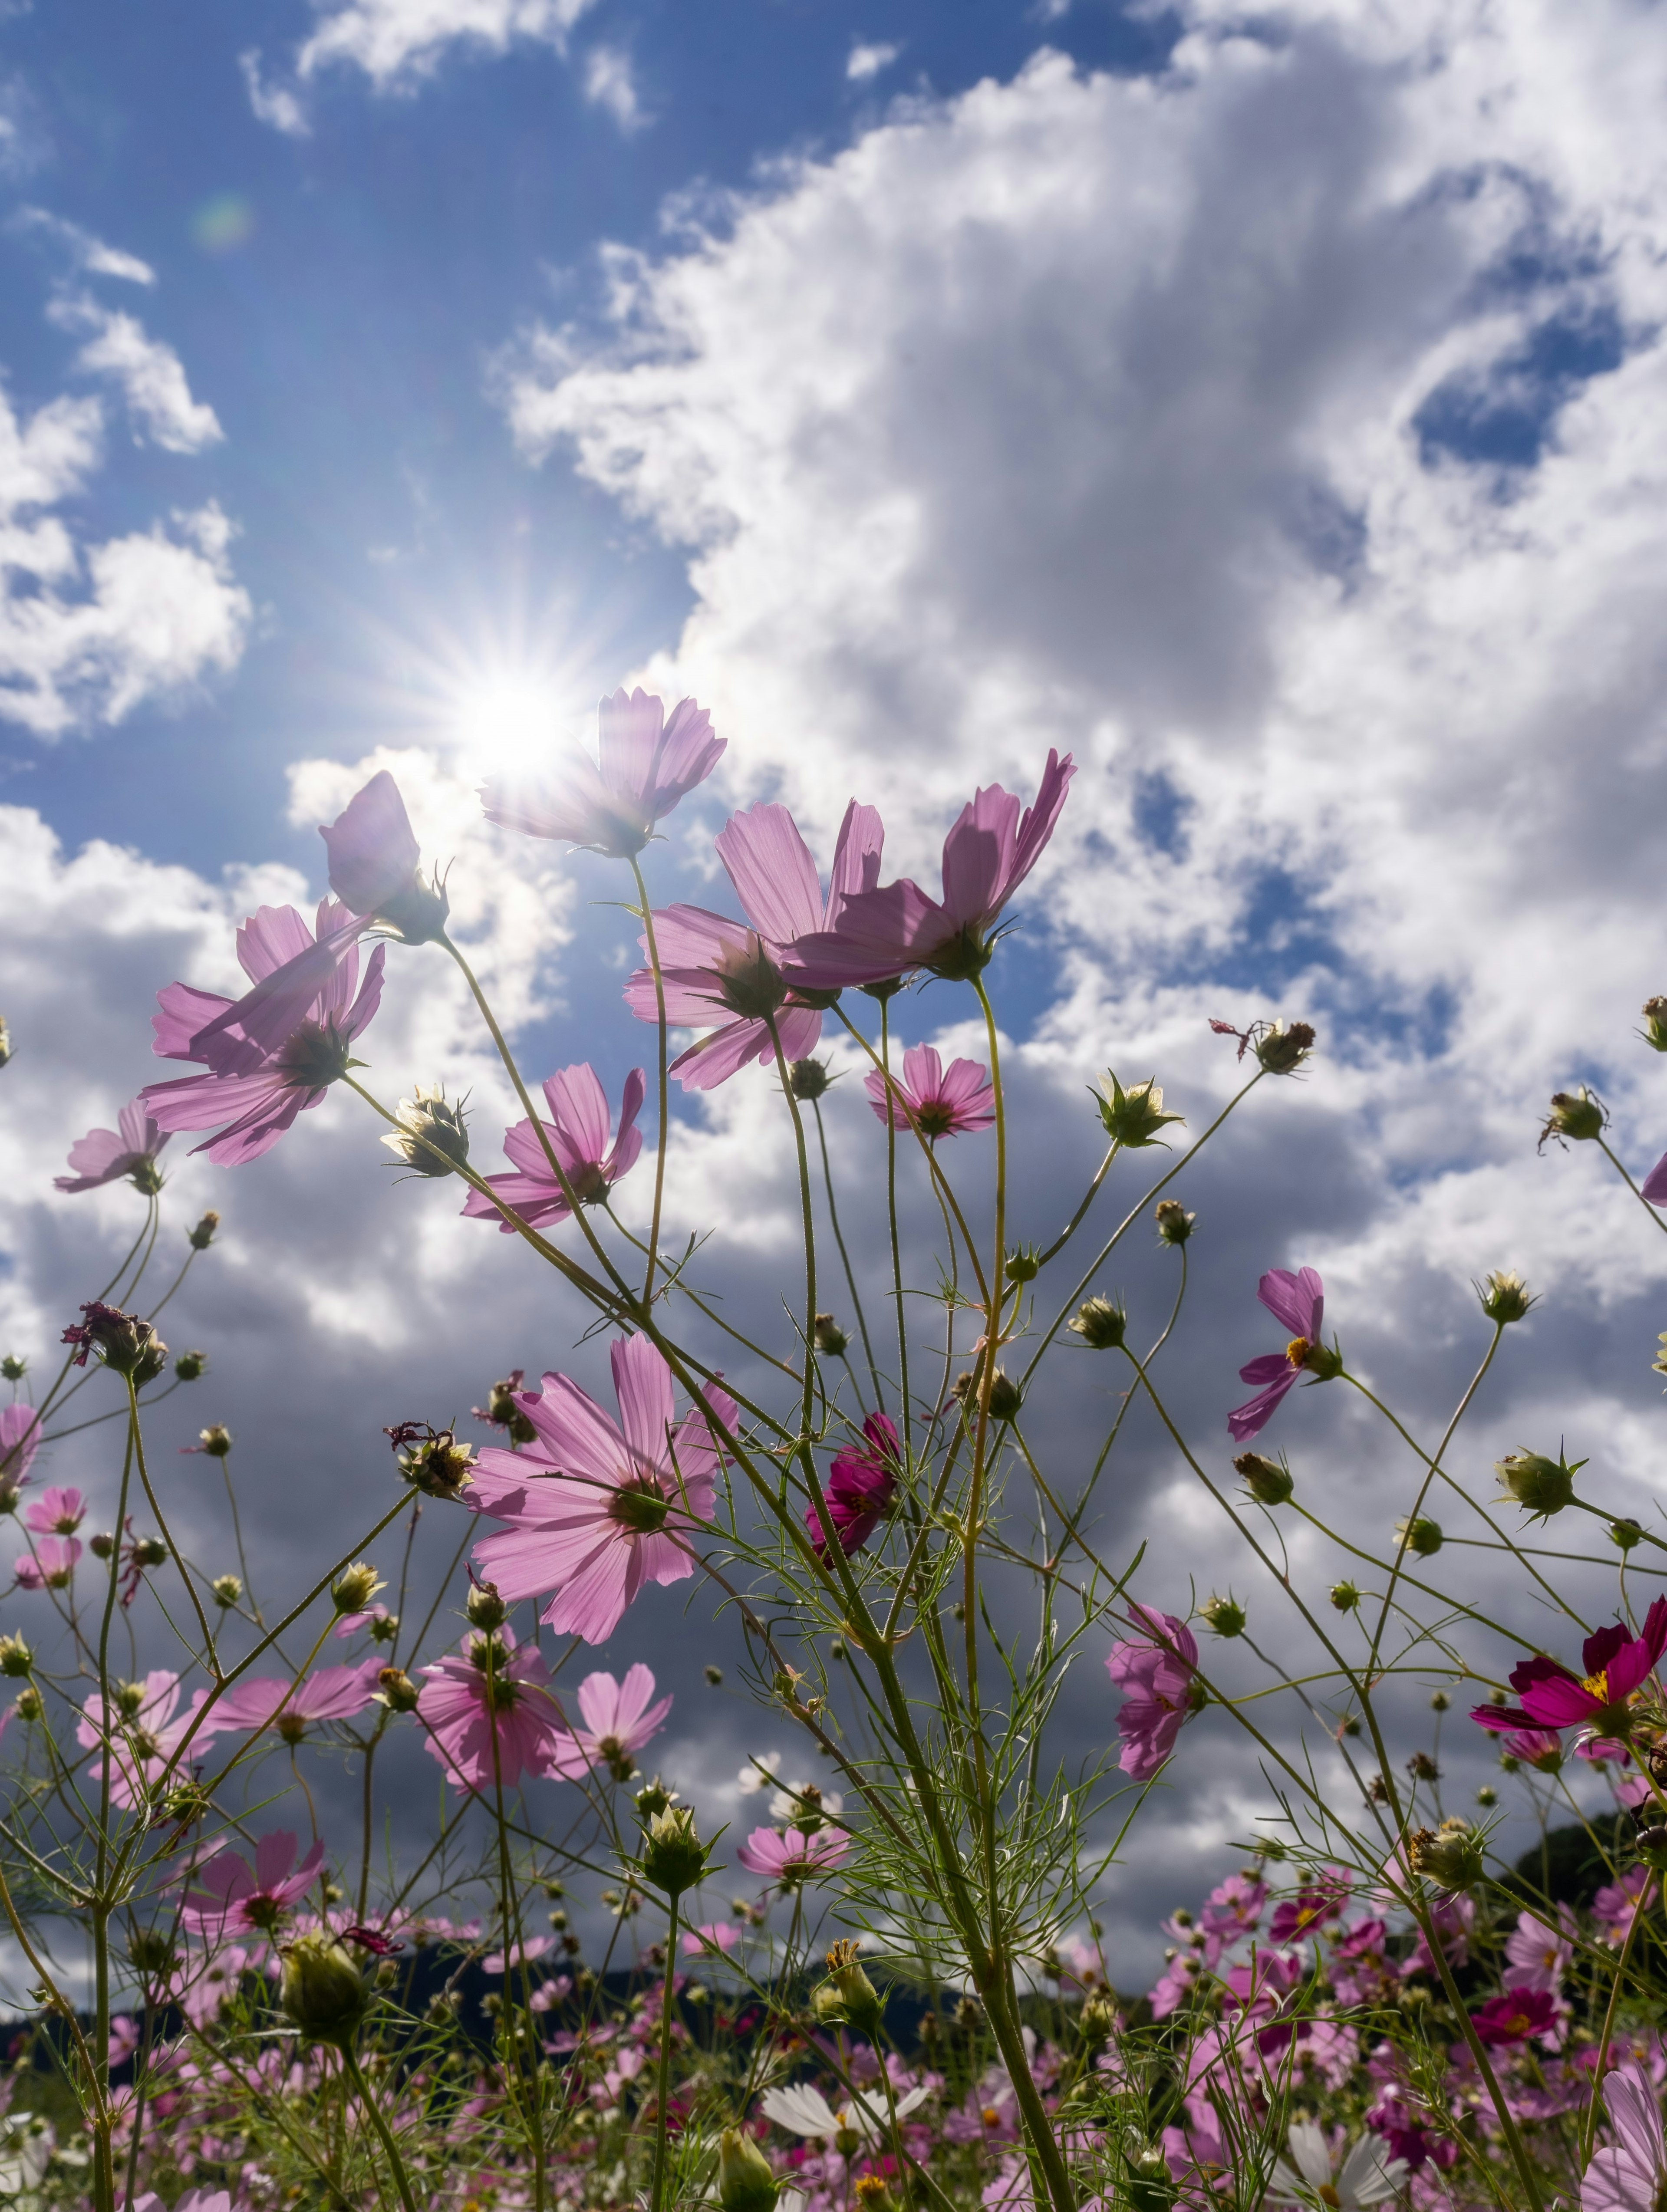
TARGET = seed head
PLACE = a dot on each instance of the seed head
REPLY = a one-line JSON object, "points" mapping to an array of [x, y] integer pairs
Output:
{"points": [[322, 1990], [431, 1459], [1101, 1325], [808, 1078], [673, 1856], [829, 1338], [1174, 1221], [398, 1693], [428, 1124], [1223, 1616], [13, 1368], [1487, 1795], [215, 1441], [1504, 1297], [1450, 1856], [1024, 1265], [1654, 1031], [190, 1366], [714, 1675], [1268, 1480], [101, 1544], [123, 1343]]}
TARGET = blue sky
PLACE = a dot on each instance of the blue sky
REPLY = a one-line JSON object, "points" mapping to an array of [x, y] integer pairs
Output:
{"points": [[1267, 404]]}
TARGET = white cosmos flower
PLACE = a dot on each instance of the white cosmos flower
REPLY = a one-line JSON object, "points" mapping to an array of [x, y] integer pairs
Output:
{"points": [[759, 1771], [789, 1802], [803, 2111], [1367, 2177]]}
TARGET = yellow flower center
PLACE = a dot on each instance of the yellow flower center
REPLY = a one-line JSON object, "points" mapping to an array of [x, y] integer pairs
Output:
{"points": [[1297, 1350], [1598, 1685]]}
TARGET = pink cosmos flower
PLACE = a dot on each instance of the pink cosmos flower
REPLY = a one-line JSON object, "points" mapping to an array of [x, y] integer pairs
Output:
{"points": [[528, 1953], [52, 1567], [619, 1720], [861, 1486], [647, 764], [19, 1439], [793, 1857], [129, 1149], [596, 1509], [713, 1935], [1310, 1909], [1155, 1672], [1233, 1907], [886, 932], [1514, 2017], [373, 864], [1539, 1956], [254, 1087], [713, 969], [468, 1710], [1655, 1183], [1618, 1904], [235, 1898], [55, 1513], [329, 1693], [578, 1133], [145, 1728], [1630, 2174], [1298, 1302], [1615, 1660], [937, 1103], [1539, 1748]]}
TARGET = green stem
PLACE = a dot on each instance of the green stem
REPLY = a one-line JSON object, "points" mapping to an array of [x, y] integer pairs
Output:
{"points": [[850, 1278], [665, 1094], [374, 2113], [663, 2087]]}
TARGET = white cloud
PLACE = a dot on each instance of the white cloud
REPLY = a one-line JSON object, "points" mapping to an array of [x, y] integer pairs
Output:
{"points": [[866, 61], [399, 42], [86, 252], [148, 370], [609, 82], [272, 103]]}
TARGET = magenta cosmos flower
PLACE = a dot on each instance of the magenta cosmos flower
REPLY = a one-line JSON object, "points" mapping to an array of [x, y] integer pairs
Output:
{"points": [[861, 1486], [936, 1100], [145, 1728], [793, 1857], [885, 933], [578, 1136], [1616, 1662], [489, 1713], [19, 1439], [330, 1693], [714, 969], [647, 764], [236, 1899], [55, 1513], [1310, 1909], [253, 1089], [1630, 2174], [597, 1508], [619, 1717], [1516, 2017], [1297, 1302], [103, 1156], [1156, 1673], [50, 1566]]}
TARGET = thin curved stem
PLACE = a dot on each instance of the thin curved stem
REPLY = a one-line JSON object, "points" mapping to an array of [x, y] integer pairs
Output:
{"points": [[665, 1088]]}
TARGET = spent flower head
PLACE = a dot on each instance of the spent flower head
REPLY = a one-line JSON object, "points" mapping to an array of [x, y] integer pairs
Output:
{"points": [[1223, 1616], [1175, 1223], [1101, 1324], [355, 1587], [1504, 1297], [1654, 1031], [1579, 1116], [123, 1343], [432, 1135], [431, 1459], [201, 1236], [1268, 1480]]}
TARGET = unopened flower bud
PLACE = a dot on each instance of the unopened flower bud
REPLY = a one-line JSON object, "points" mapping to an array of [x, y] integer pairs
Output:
{"points": [[355, 1586], [1150, 2187], [1440, 1702], [5, 1041], [1654, 1031], [747, 2180], [215, 1441], [1174, 1221], [322, 1988], [1623, 1535], [1504, 1297], [1488, 1795], [484, 1608], [398, 1693], [1421, 1535], [1282, 1050], [1650, 1845], [1024, 1265], [673, 1856], [1540, 1485], [714, 1675], [1578, 1115], [1450, 1856], [808, 1078], [16, 1658], [1133, 1118], [1223, 1616], [9, 1496], [848, 1995], [1100, 1324], [190, 1365], [149, 1552], [203, 1236], [152, 1955], [102, 1543], [1005, 1398], [28, 1706], [651, 1798], [1096, 2022], [1268, 1480], [227, 1588], [13, 1368], [432, 1136], [829, 1338]]}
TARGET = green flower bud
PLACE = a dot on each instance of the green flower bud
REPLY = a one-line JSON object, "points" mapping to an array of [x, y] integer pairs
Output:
{"points": [[484, 1608], [829, 1338], [17, 1659], [322, 1990], [848, 1997], [747, 2180], [429, 1124], [1098, 2021], [1654, 1031], [1268, 1480], [1578, 1114], [808, 1078], [714, 1675], [28, 1706], [1345, 1597], [355, 1586], [1504, 1297], [216, 1441], [1450, 1856], [1223, 1616], [124, 1344], [1024, 1265], [13, 1368], [1540, 1485], [653, 1797], [1282, 1050], [673, 1856], [190, 1366], [102, 1543], [1623, 1535], [1488, 1795], [1101, 1325], [1134, 1117], [1421, 1535], [1174, 1221], [1150, 2188], [1005, 1398], [227, 1588], [203, 1236], [151, 1953], [149, 1552], [398, 1693]]}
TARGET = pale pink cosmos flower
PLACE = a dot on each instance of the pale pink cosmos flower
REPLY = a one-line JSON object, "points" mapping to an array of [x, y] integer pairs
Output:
{"points": [[1630, 2174], [145, 1728], [619, 1719], [104, 1155], [1618, 1904], [885, 933], [597, 1508], [1539, 1956], [648, 763], [373, 864], [578, 1136], [1298, 1302], [489, 1713], [330, 1693], [235, 1898], [52, 1567], [713, 1935], [937, 1100], [253, 1089], [55, 1513], [713, 969], [793, 1857], [1155, 1670], [19, 1439]]}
